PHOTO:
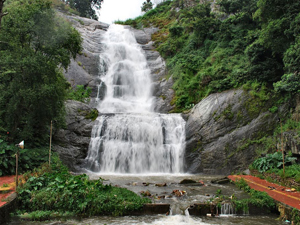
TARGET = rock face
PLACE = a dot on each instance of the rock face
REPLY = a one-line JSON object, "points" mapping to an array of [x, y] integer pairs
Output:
{"points": [[221, 131], [84, 70], [72, 143]]}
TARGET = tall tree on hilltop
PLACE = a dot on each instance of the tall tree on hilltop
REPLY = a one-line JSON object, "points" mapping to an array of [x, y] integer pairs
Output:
{"points": [[147, 5], [86, 8]]}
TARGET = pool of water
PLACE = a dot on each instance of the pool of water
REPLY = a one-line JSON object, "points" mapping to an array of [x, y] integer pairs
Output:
{"points": [[164, 220]]}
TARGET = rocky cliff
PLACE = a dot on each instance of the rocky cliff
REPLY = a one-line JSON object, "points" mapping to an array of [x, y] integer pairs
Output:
{"points": [[224, 131]]}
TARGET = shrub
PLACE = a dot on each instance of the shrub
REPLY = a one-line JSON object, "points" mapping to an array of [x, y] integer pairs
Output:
{"points": [[55, 190], [28, 158], [270, 161], [80, 93]]}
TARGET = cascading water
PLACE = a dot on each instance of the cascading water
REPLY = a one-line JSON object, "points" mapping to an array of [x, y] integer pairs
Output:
{"points": [[129, 136]]}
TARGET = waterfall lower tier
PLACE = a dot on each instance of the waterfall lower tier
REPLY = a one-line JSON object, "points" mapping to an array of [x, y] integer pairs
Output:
{"points": [[227, 209], [136, 143]]}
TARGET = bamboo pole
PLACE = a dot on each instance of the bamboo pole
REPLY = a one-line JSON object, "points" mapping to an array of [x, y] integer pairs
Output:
{"points": [[17, 159], [50, 143]]}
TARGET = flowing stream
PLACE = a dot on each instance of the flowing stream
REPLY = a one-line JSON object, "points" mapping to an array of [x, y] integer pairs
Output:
{"points": [[129, 136]]}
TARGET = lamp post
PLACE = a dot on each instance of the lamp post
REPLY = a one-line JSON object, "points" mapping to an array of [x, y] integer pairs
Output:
{"points": [[21, 146], [50, 143]]}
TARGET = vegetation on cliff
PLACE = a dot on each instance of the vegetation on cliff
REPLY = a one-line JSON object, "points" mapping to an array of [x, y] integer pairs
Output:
{"points": [[237, 42]]}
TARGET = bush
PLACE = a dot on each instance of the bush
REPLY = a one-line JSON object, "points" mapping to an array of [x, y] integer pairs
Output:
{"points": [[80, 93], [28, 158], [270, 161], [55, 190]]}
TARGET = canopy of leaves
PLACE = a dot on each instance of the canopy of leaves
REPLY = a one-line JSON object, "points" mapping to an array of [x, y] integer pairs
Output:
{"points": [[86, 8], [147, 5], [34, 45]]}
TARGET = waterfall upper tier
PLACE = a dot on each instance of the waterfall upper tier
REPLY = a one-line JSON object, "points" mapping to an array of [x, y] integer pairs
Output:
{"points": [[124, 70]]}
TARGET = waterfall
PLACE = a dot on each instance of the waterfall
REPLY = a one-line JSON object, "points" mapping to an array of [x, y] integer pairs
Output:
{"points": [[227, 209], [129, 137]]}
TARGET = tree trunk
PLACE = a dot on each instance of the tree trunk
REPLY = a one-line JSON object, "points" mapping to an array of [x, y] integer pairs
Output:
{"points": [[1, 11]]}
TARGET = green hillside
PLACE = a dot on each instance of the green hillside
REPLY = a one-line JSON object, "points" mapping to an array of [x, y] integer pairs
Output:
{"points": [[214, 47]]}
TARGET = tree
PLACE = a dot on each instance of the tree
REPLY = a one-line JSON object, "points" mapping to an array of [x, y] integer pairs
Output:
{"points": [[32, 86], [147, 5], [1, 11], [86, 8]]}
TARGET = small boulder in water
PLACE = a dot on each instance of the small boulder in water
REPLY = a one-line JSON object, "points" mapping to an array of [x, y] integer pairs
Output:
{"points": [[161, 185], [223, 180], [188, 181]]}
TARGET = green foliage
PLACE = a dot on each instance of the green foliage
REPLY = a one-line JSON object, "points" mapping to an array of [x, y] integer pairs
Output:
{"points": [[45, 215], [86, 8], [205, 54], [147, 5], [28, 158], [93, 114], [291, 171], [257, 198], [295, 216], [35, 45], [270, 161], [79, 93], [55, 190], [288, 83]]}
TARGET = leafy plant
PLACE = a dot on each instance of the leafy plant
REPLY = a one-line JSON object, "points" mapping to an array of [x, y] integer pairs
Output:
{"points": [[270, 161], [28, 158], [80, 93], [257, 198]]}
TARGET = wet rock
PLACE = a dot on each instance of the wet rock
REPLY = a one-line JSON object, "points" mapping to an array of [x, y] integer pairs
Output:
{"points": [[187, 181], [72, 143], [161, 185], [223, 180]]}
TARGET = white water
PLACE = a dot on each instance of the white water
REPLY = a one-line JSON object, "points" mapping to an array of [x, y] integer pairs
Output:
{"points": [[227, 209], [129, 136]]}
